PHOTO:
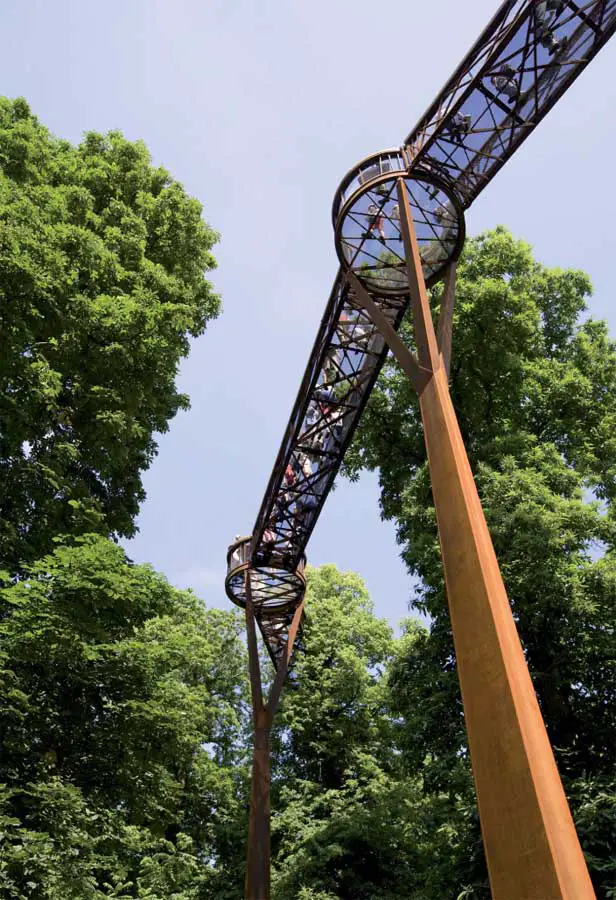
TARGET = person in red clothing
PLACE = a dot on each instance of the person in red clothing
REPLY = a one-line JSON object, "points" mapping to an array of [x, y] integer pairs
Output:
{"points": [[269, 536]]}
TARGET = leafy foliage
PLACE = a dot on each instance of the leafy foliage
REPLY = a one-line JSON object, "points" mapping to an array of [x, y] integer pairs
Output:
{"points": [[123, 722], [333, 715], [102, 258], [332, 778]]}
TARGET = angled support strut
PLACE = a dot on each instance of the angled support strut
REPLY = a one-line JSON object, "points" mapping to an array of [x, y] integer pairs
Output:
{"points": [[531, 846]]}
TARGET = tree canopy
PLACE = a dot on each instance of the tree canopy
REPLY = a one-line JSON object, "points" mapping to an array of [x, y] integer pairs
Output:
{"points": [[102, 261], [334, 768], [122, 711], [122, 700]]}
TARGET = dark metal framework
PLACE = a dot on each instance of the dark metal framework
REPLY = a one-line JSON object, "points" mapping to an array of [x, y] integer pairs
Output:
{"points": [[273, 593], [522, 63], [399, 226], [369, 231]]}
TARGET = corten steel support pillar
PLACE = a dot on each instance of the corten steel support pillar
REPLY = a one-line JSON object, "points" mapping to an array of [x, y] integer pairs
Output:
{"points": [[532, 849], [257, 886], [258, 854]]}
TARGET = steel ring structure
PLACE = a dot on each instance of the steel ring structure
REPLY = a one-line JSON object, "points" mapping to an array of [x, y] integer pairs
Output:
{"points": [[274, 591], [368, 230]]}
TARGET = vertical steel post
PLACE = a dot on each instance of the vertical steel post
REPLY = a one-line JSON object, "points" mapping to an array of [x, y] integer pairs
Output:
{"points": [[258, 855], [531, 845], [257, 884], [258, 852]]}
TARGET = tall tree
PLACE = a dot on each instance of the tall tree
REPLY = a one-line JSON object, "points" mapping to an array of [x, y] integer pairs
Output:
{"points": [[331, 713], [343, 825], [534, 387], [122, 714], [102, 261]]}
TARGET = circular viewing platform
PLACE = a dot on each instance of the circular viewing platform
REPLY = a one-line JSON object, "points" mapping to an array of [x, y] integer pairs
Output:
{"points": [[366, 215], [272, 589]]}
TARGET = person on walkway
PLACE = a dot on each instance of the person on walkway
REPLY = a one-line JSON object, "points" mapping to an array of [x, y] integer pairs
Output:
{"points": [[437, 251], [332, 437], [545, 11], [331, 366], [236, 556], [458, 126], [326, 399], [306, 504], [349, 328], [395, 218], [269, 536], [505, 82], [375, 223], [269, 542]]}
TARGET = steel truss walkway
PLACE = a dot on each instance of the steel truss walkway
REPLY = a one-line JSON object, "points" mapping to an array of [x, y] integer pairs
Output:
{"points": [[522, 63]]}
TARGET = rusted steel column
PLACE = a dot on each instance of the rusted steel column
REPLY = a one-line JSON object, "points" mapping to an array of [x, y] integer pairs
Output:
{"points": [[532, 849], [444, 331], [258, 856], [258, 853], [531, 845], [257, 883]]}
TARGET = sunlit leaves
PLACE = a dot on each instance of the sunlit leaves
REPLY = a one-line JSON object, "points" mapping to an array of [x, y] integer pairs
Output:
{"points": [[102, 263]]}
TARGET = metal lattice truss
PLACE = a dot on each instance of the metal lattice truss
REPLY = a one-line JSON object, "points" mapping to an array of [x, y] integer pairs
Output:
{"points": [[343, 367], [523, 62]]}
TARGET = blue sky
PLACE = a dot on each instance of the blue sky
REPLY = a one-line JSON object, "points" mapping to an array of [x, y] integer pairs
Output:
{"points": [[260, 108]]}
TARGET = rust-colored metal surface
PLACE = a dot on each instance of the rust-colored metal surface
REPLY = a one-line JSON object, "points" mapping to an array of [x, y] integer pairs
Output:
{"points": [[530, 841], [257, 884], [258, 853], [531, 845], [444, 333]]}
